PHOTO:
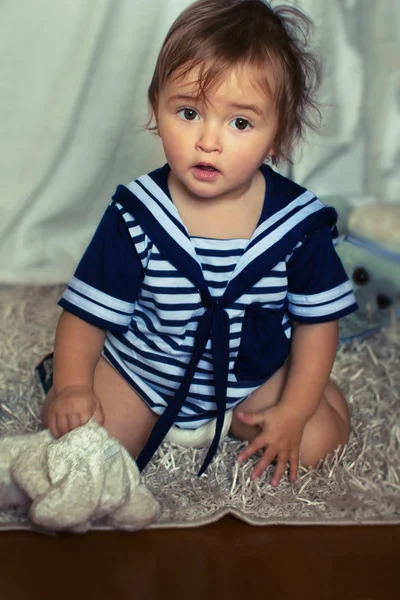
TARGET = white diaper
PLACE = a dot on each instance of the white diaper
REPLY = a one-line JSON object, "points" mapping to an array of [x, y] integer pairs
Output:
{"points": [[200, 437]]}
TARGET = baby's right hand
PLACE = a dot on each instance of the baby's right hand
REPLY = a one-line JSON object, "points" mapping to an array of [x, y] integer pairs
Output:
{"points": [[73, 407]]}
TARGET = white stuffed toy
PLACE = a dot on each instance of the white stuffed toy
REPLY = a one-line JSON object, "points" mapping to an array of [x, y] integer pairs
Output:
{"points": [[369, 247], [83, 477]]}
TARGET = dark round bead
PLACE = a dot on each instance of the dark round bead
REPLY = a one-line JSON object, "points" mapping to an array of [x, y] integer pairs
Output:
{"points": [[383, 301], [361, 276]]}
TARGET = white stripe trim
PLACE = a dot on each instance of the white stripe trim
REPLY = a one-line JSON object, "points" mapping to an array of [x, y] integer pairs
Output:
{"points": [[325, 309], [94, 294], [269, 282], [189, 298], [154, 362], [220, 245], [280, 266], [169, 282], [146, 296], [250, 298], [168, 225], [140, 370], [174, 315], [181, 331], [221, 261], [299, 201], [322, 297], [297, 246], [165, 349], [155, 189], [96, 310], [276, 235], [155, 397], [220, 278]]}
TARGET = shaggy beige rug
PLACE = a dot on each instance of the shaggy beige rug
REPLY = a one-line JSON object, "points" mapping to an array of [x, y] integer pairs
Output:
{"points": [[361, 485]]}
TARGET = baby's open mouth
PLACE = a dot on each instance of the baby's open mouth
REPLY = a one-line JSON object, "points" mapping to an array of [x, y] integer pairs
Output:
{"points": [[206, 167], [205, 172]]}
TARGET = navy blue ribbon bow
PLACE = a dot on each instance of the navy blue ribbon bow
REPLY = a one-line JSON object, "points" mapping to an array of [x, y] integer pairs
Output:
{"points": [[214, 323]]}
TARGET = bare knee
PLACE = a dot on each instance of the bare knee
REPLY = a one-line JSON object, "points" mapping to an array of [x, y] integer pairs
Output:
{"points": [[338, 403], [327, 430]]}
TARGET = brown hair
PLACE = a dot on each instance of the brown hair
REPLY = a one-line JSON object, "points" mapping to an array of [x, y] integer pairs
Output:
{"points": [[218, 35]]}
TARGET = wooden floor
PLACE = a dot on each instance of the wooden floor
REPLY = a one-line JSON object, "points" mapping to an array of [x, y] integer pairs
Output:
{"points": [[226, 560]]}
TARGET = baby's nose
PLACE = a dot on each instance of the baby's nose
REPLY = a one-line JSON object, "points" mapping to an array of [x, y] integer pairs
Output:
{"points": [[210, 140]]}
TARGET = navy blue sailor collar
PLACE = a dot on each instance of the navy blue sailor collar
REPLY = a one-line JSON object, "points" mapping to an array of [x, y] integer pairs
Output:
{"points": [[299, 213]]}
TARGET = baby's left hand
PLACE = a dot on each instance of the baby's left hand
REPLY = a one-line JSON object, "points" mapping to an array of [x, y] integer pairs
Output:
{"points": [[281, 434]]}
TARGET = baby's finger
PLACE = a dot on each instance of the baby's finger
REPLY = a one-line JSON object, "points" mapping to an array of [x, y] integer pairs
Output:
{"points": [[74, 421], [251, 448], [294, 460], [53, 425], [279, 469], [99, 414], [251, 418], [62, 425], [263, 463]]}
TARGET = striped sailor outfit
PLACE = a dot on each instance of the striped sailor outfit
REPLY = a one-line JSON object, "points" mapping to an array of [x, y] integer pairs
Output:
{"points": [[195, 325]]}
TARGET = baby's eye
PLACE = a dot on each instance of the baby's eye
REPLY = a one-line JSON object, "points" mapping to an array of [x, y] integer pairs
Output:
{"points": [[188, 114], [241, 124]]}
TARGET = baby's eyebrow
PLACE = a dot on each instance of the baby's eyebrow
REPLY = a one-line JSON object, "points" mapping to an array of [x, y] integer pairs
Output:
{"points": [[253, 107], [183, 98]]}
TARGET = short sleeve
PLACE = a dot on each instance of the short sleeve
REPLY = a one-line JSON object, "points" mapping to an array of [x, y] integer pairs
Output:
{"points": [[107, 280], [318, 287]]}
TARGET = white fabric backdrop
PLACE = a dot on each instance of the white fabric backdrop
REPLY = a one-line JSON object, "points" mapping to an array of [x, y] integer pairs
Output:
{"points": [[73, 83]]}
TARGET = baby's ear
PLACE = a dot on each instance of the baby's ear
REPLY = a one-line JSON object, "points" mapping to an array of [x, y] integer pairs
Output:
{"points": [[271, 156], [156, 119], [271, 153], [157, 127]]}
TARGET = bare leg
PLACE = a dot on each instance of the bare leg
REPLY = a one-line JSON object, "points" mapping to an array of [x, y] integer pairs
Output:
{"points": [[328, 428], [127, 416]]}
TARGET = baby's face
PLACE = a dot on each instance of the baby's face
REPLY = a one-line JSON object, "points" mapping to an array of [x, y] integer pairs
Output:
{"points": [[215, 147]]}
